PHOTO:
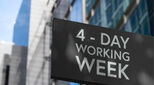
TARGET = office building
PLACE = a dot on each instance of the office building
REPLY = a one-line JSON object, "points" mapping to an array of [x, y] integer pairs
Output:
{"points": [[4, 56], [110, 13], [114, 14], [21, 27], [140, 20], [38, 64], [12, 64]]}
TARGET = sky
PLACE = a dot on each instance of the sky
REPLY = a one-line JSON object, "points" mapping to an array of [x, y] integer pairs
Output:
{"points": [[8, 13]]}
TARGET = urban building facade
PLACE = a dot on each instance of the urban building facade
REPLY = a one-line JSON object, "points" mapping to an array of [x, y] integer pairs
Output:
{"points": [[12, 64], [4, 64], [140, 20], [136, 15], [127, 15], [110, 13], [21, 27], [38, 64]]}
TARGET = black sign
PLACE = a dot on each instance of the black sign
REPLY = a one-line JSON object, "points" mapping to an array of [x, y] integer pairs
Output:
{"points": [[90, 54]]}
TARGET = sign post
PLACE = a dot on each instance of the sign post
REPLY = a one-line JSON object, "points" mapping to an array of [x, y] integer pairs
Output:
{"points": [[96, 55]]}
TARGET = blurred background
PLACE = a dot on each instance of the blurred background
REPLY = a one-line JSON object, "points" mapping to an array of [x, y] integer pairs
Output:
{"points": [[26, 32]]}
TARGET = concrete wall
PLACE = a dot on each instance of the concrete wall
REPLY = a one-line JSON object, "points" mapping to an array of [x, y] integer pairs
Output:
{"points": [[14, 57]]}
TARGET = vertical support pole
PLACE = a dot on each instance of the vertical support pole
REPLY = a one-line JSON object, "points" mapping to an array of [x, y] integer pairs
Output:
{"points": [[84, 20]]}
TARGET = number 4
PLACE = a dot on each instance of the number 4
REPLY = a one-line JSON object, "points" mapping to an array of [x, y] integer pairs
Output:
{"points": [[81, 35]]}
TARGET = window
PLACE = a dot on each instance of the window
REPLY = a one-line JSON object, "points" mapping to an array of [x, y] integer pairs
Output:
{"points": [[127, 27], [107, 2], [116, 4], [7, 75], [145, 26], [117, 17], [76, 13], [109, 13], [89, 4], [139, 13], [134, 21], [142, 6], [95, 20], [141, 9]]}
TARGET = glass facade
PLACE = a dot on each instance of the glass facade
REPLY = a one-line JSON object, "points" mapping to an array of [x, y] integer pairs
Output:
{"points": [[150, 7], [139, 20], [89, 4], [96, 19], [76, 13], [109, 12], [21, 27]]}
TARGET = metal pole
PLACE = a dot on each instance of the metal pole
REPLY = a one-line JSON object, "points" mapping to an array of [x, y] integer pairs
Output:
{"points": [[84, 20]]}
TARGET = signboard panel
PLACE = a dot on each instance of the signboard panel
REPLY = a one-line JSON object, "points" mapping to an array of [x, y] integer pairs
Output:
{"points": [[96, 55]]}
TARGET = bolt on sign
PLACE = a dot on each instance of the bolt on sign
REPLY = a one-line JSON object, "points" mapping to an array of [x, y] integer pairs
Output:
{"points": [[95, 55]]}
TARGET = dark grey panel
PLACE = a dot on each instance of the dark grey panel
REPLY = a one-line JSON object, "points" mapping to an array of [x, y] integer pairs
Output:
{"points": [[125, 59]]}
